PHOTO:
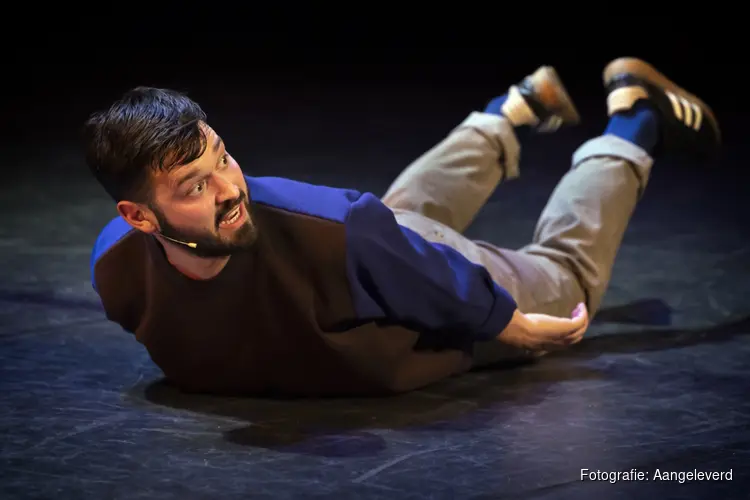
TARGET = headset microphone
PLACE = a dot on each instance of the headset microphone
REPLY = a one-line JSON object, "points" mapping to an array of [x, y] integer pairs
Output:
{"points": [[191, 245]]}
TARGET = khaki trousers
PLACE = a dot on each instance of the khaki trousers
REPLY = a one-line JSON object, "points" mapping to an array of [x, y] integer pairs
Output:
{"points": [[576, 239]]}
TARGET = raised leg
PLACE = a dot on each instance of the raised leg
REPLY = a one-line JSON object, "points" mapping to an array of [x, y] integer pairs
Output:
{"points": [[451, 182], [576, 240], [585, 219], [579, 232]]}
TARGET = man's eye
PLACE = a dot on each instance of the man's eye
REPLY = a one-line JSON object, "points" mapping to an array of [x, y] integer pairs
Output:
{"points": [[198, 189]]}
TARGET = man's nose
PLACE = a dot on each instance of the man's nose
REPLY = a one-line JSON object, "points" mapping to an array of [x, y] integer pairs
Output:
{"points": [[227, 191]]}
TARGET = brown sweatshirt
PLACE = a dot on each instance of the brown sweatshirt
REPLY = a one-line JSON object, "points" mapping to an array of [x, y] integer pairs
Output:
{"points": [[335, 298]]}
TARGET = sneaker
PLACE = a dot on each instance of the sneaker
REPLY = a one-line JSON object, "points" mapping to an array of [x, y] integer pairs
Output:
{"points": [[688, 125], [541, 101]]}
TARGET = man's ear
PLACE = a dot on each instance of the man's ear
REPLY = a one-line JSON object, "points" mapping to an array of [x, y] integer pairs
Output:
{"points": [[137, 216]]}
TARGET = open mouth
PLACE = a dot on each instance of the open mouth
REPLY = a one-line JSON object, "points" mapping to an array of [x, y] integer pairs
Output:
{"points": [[232, 217]]}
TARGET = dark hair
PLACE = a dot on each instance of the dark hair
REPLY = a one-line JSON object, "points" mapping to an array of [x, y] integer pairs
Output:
{"points": [[148, 129]]}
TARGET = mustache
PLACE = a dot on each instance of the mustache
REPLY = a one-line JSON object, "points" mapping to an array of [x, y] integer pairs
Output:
{"points": [[228, 206]]}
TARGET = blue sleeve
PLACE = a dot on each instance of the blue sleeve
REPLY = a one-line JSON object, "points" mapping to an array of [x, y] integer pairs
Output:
{"points": [[396, 275], [113, 232]]}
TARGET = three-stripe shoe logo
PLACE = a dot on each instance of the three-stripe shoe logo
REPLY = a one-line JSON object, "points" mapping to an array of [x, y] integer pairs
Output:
{"points": [[687, 112]]}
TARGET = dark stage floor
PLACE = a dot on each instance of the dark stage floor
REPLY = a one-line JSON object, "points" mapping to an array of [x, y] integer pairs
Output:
{"points": [[659, 384]]}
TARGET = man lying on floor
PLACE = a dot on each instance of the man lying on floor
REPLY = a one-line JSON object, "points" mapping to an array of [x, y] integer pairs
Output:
{"points": [[266, 286]]}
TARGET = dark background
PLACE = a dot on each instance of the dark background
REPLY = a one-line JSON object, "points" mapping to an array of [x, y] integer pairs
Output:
{"points": [[660, 382]]}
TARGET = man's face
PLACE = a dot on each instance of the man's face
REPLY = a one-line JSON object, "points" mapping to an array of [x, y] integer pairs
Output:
{"points": [[207, 203]]}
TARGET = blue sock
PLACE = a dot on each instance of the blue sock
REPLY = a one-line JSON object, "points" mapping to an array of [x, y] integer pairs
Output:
{"points": [[639, 125], [495, 107]]}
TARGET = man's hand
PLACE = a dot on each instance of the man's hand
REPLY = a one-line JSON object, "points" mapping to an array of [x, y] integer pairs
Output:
{"points": [[541, 332]]}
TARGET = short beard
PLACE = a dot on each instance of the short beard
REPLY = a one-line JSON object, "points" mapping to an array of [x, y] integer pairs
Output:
{"points": [[208, 244]]}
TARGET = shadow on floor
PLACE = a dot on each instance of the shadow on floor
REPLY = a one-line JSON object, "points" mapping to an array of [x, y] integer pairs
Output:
{"points": [[49, 298], [643, 312], [470, 403]]}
